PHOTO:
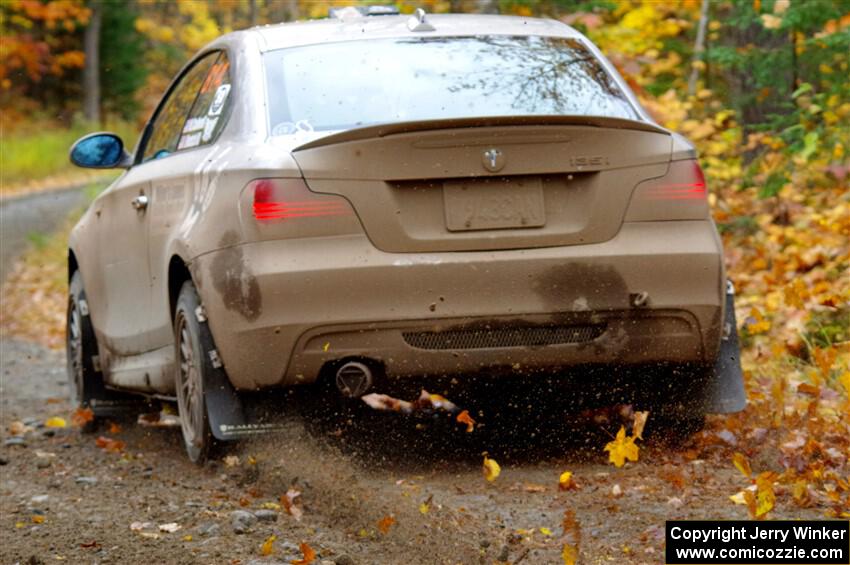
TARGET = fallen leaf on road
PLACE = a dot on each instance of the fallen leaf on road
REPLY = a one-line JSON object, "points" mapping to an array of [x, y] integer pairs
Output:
{"points": [[491, 469], [622, 448], [55, 422], [170, 527], [111, 445], [385, 523], [90, 545], [465, 418], [572, 538], [18, 428], [160, 419], [231, 461], [387, 403], [532, 488], [37, 519], [309, 555], [425, 506], [289, 501], [742, 464], [566, 482], [82, 416], [114, 428], [740, 496], [268, 546]]}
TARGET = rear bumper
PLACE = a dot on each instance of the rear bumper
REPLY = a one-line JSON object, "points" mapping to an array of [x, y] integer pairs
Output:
{"points": [[279, 310]]}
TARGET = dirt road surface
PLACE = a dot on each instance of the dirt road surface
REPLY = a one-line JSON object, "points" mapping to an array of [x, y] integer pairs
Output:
{"points": [[66, 499], [28, 214]]}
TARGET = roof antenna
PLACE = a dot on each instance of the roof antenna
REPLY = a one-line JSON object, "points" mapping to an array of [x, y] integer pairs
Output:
{"points": [[417, 22]]}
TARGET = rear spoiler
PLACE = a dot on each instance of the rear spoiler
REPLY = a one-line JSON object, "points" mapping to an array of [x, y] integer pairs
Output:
{"points": [[383, 130]]}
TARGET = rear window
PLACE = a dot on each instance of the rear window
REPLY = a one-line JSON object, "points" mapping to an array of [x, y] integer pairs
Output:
{"points": [[339, 86]]}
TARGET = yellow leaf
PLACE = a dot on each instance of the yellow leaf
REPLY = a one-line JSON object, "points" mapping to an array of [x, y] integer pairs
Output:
{"points": [[844, 379], [187, 537], [569, 554], [491, 469], [765, 498], [37, 519], [566, 482], [622, 448], [546, 531], [425, 505], [55, 422], [742, 464], [268, 546]]}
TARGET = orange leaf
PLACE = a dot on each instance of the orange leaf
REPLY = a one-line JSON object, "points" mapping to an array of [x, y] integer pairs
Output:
{"points": [[114, 428], [289, 501], [572, 538], [111, 445], [82, 416], [309, 555], [465, 418], [385, 523]]}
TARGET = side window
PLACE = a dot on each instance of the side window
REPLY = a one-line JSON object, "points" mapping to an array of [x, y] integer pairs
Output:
{"points": [[173, 128], [209, 113]]}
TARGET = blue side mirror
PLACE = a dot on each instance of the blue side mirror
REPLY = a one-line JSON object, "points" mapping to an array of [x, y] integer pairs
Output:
{"points": [[100, 151]]}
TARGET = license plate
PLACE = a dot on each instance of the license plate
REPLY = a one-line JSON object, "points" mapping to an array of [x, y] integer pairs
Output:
{"points": [[491, 204]]}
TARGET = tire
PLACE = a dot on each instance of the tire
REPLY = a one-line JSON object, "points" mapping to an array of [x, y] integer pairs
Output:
{"points": [[87, 389], [193, 342]]}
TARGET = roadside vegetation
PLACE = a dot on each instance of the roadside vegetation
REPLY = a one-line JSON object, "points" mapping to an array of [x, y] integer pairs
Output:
{"points": [[34, 154]]}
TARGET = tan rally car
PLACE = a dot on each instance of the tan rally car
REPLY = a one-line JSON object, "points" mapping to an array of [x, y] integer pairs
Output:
{"points": [[366, 199]]}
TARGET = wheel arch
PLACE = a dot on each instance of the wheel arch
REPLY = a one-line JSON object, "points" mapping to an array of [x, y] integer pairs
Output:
{"points": [[73, 264], [178, 273]]}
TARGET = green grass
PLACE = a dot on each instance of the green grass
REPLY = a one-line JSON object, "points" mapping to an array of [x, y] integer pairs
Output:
{"points": [[37, 151]]}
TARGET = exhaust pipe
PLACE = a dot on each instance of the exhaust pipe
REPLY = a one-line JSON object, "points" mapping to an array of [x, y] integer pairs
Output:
{"points": [[353, 379]]}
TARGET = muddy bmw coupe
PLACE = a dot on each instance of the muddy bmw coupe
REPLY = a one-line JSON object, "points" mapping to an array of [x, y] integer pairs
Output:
{"points": [[369, 199]]}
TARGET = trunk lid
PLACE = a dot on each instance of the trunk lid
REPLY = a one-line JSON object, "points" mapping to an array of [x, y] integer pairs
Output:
{"points": [[487, 184]]}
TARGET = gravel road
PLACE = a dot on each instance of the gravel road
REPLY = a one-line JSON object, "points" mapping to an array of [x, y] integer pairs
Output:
{"points": [[27, 214], [65, 498]]}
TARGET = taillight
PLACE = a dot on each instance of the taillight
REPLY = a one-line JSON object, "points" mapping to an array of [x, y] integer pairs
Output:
{"points": [[692, 189], [282, 199], [681, 194]]}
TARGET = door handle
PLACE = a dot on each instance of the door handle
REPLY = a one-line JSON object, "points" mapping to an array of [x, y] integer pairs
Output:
{"points": [[140, 202]]}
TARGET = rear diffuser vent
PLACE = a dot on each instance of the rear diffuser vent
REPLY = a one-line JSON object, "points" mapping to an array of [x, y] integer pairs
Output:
{"points": [[529, 336]]}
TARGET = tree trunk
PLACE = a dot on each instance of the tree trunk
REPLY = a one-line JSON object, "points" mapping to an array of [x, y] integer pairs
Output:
{"points": [[252, 12], [91, 70], [699, 47]]}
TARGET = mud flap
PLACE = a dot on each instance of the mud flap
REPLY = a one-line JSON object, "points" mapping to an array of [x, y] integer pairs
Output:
{"points": [[725, 390], [229, 417]]}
